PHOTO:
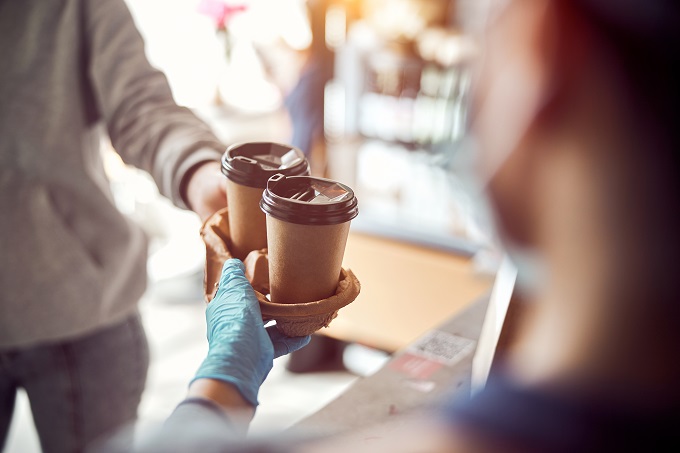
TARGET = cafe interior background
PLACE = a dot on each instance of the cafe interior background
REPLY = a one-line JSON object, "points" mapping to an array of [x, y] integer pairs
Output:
{"points": [[392, 78]]}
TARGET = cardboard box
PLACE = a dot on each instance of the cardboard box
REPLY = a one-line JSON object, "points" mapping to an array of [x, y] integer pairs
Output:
{"points": [[406, 290]]}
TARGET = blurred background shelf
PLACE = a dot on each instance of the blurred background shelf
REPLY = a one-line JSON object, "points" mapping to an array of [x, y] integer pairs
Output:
{"points": [[395, 115]]}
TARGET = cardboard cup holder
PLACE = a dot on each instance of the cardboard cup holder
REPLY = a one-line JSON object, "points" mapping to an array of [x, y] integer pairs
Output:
{"points": [[292, 319]]}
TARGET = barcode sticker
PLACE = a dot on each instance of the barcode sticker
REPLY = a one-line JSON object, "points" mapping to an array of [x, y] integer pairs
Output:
{"points": [[442, 347]]}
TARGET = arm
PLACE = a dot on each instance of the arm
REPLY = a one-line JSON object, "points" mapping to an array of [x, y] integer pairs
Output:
{"points": [[147, 128], [226, 397], [241, 351], [221, 399]]}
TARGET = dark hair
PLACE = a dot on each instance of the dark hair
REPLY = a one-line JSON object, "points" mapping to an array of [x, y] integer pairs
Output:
{"points": [[645, 38]]}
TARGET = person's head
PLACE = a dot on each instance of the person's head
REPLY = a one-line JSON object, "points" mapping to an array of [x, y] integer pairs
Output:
{"points": [[574, 113]]}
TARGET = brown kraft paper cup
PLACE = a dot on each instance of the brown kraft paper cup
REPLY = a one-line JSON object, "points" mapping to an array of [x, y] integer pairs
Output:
{"points": [[304, 260], [247, 167], [308, 223], [249, 229]]}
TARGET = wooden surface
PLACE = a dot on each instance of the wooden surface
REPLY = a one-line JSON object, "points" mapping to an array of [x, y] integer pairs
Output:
{"points": [[405, 290]]}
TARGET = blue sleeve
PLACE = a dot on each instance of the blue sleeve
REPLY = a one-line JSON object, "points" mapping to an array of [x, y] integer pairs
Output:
{"points": [[200, 425], [559, 419]]}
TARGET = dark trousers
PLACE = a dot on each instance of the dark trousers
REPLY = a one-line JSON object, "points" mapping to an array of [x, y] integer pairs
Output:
{"points": [[79, 390]]}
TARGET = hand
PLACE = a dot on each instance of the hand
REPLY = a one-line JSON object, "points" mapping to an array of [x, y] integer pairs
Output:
{"points": [[240, 350], [206, 189]]}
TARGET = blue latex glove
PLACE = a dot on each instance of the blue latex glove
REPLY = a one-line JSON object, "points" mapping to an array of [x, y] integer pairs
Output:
{"points": [[241, 351]]}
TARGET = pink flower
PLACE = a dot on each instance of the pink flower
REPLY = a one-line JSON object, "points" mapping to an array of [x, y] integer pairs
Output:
{"points": [[220, 11]]}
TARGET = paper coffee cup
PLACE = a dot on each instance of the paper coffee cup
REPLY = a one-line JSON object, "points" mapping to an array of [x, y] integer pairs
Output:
{"points": [[308, 222], [247, 167]]}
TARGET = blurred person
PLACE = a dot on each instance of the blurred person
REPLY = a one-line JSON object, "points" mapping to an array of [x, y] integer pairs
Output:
{"points": [[72, 267], [574, 116], [305, 101]]}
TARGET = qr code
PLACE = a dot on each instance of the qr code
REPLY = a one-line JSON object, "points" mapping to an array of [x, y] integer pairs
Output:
{"points": [[443, 347]]}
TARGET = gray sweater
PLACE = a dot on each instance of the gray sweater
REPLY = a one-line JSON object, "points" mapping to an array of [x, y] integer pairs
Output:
{"points": [[71, 71]]}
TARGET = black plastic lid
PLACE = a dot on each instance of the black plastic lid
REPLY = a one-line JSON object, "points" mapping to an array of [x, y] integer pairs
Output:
{"points": [[252, 164], [308, 201]]}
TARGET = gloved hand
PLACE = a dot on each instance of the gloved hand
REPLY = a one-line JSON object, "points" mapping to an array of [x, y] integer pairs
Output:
{"points": [[241, 351]]}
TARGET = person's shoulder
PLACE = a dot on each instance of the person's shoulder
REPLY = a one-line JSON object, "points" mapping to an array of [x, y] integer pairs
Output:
{"points": [[533, 418]]}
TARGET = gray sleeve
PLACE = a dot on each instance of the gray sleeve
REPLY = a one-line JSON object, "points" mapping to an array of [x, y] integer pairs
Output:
{"points": [[147, 128]]}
